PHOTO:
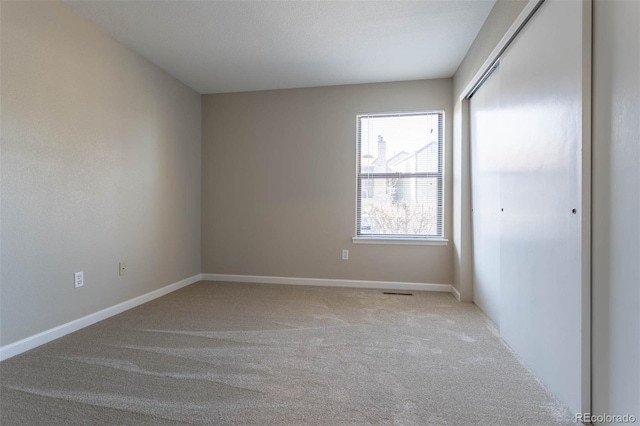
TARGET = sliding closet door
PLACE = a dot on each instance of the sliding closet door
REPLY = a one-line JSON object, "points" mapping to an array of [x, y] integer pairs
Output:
{"points": [[544, 303], [486, 156], [530, 172]]}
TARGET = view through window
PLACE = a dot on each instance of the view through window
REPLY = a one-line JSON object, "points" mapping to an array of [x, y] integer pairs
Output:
{"points": [[400, 175]]}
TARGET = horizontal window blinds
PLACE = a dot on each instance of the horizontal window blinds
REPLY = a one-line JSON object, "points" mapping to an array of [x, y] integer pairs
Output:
{"points": [[400, 175]]}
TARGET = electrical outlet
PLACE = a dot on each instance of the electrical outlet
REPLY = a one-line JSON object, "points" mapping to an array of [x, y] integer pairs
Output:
{"points": [[123, 268], [78, 279], [345, 254]]}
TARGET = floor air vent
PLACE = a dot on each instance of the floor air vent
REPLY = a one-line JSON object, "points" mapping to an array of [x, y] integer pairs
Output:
{"points": [[397, 294]]}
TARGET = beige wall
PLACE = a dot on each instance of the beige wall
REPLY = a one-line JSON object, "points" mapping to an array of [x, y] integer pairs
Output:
{"points": [[279, 187], [100, 164]]}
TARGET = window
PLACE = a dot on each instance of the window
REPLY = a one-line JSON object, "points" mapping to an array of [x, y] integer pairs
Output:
{"points": [[400, 176]]}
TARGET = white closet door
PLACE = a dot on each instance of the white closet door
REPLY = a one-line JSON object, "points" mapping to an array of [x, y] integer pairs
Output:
{"points": [[530, 197], [543, 299], [486, 156]]}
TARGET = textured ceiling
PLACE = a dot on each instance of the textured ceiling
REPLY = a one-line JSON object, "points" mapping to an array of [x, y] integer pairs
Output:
{"points": [[232, 46]]}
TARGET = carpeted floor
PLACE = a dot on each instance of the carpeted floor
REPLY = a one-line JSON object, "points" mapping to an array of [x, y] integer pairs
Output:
{"points": [[231, 353]]}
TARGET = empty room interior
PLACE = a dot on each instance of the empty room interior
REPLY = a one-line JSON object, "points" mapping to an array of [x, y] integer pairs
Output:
{"points": [[320, 212]]}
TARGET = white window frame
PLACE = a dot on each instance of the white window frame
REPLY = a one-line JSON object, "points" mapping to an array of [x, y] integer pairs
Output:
{"points": [[439, 238]]}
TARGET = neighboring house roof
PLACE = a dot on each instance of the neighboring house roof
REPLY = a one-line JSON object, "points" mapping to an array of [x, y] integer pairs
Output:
{"points": [[394, 163], [398, 158]]}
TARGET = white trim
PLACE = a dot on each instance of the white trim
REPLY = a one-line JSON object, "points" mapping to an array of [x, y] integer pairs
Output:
{"points": [[47, 336], [502, 44], [328, 282], [455, 293], [586, 200], [401, 241]]}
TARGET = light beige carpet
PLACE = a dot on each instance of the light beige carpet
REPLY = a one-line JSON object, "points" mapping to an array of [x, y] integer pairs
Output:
{"points": [[231, 353]]}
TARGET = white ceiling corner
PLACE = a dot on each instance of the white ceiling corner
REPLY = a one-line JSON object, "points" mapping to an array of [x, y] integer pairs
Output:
{"points": [[232, 46]]}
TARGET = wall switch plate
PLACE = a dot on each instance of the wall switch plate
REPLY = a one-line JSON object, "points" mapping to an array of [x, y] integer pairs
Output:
{"points": [[123, 268], [345, 254], [78, 279]]}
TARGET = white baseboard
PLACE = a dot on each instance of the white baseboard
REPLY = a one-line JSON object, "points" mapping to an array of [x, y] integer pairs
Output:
{"points": [[322, 282], [47, 336], [456, 293]]}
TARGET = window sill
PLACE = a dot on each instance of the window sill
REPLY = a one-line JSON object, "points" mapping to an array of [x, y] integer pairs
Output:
{"points": [[402, 241]]}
